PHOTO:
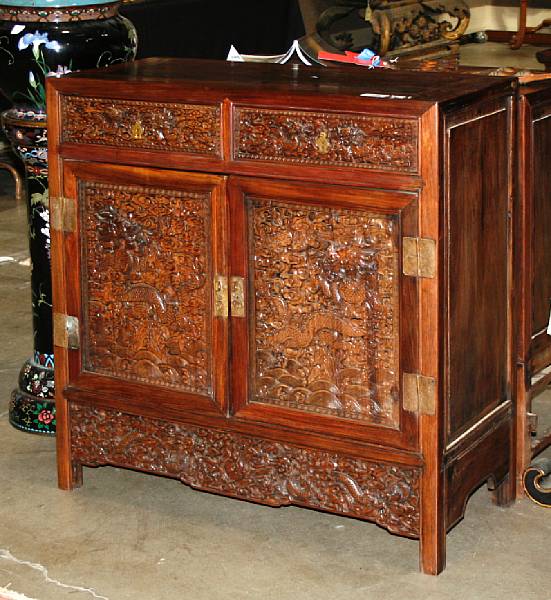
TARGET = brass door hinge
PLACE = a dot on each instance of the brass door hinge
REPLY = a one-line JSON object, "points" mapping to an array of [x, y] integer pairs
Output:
{"points": [[66, 331], [63, 214], [237, 297], [419, 257], [232, 299], [419, 394], [221, 305]]}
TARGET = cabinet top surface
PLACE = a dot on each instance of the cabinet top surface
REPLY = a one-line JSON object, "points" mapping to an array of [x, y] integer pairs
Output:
{"points": [[267, 79]]}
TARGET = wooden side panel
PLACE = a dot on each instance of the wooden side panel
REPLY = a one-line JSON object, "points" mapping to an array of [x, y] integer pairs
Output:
{"points": [[478, 259], [487, 459], [541, 291], [534, 252]]}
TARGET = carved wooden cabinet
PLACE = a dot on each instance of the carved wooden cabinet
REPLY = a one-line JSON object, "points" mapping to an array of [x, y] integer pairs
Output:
{"points": [[287, 284]]}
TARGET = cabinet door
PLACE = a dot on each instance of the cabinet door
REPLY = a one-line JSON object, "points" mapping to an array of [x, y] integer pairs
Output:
{"points": [[323, 322], [148, 251]]}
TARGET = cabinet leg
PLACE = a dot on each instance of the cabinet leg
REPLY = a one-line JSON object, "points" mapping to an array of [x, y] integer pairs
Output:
{"points": [[432, 540], [69, 476], [432, 534], [432, 551], [503, 494], [77, 475]]}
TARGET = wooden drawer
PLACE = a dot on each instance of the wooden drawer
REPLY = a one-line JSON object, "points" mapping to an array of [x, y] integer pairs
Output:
{"points": [[174, 127], [326, 139]]}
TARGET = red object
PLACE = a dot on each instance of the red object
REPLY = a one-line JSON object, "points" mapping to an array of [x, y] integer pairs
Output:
{"points": [[348, 57]]}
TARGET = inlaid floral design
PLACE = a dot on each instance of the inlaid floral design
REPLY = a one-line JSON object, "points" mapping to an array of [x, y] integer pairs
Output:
{"points": [[37, 41], [34, 47], [44, 416], [36, 90]]}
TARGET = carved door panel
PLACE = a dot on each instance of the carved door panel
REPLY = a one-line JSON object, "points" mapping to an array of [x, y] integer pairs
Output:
{"points": [[149, 250], [323, 323]]}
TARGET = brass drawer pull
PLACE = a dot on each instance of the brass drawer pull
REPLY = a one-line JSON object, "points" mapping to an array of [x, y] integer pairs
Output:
{"points": [[137, 130], [322, 143]]}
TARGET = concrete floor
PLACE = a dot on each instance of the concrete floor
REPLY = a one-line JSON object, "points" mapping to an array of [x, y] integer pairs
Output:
{"points": [[127, 535]]}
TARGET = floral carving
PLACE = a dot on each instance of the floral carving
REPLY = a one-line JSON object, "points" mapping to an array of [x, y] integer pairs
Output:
{"points": [[190, 128], [147, 304], [326, 139], [251, 468], [326, 310]]}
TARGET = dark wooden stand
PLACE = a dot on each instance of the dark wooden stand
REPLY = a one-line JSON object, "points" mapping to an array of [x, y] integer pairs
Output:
{"points": [[511, 37], [284, 292]]}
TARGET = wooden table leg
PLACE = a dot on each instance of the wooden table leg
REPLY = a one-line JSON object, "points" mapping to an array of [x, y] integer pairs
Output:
{"points": [[18, 178], [518, 39]]}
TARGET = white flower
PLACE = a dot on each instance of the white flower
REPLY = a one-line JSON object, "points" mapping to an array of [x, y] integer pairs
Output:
{"points": [[61, 70], [54, 45], [36, 39], [17, 29]]}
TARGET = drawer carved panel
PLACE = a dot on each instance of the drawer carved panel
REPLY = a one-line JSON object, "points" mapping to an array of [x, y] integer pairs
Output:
{"points": [[369, 142], [146, 268], [326, 310], [249, 467], [188, 128]]}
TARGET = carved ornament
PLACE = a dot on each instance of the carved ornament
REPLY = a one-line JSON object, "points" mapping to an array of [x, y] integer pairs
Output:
{"points": [[326, 310], [392, 25], [409, 23], [147, 284], [249, 467]]}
